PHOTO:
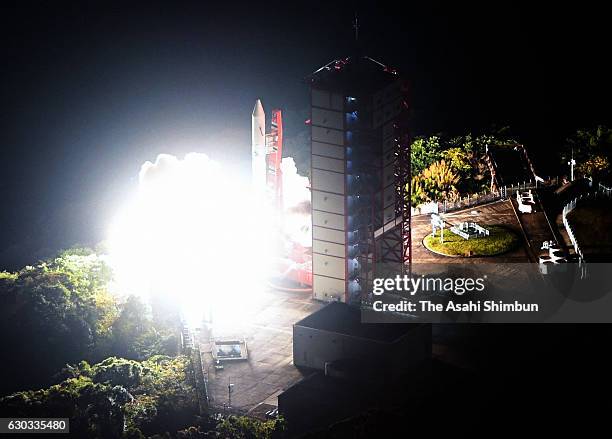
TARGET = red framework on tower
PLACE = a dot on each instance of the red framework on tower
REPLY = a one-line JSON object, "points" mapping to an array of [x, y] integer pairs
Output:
{"points": [[396, 241]]}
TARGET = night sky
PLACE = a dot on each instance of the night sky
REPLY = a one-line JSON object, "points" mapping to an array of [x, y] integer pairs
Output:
{"points": [[90, 90]]}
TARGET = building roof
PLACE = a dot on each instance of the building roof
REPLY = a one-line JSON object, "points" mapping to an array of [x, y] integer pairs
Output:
{"points": [[354, 74], [345, 319]]}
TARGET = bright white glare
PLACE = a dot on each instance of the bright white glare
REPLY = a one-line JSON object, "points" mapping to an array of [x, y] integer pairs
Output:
{"points": [[295, 186], [194, 233], [296, 201]]}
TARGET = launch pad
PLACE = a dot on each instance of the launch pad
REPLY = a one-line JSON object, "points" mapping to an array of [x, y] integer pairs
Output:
{"points": [[267, 329]]}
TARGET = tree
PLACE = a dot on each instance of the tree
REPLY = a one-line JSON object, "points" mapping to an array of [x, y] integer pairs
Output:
{"points": [[458, 159], [465, 169], [94, 410], [118, 371], [436, 183], [60, 312], [591, 148], [593, 166], [135, 334], [116, 398], [418, 194], [439, 182], [53, 313], [165, 398], [466, 154], [424, 151], [241, 427]]}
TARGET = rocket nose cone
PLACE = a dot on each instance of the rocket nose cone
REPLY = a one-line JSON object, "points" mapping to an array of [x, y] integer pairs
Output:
{"points": [[258, 109]]}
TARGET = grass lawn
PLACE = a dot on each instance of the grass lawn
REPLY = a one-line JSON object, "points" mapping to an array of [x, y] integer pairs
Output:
{"points": [[499, 241]]}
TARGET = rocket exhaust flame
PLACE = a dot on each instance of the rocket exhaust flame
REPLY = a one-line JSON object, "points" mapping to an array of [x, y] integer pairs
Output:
{"points": [[181, 235]]}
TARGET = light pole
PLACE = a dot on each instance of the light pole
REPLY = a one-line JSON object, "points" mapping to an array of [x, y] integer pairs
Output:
{"points": [[230, 389], [572, 163]]}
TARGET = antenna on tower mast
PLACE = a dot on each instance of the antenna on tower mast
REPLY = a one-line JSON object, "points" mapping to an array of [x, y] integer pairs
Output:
{"points": [[356, 27]]}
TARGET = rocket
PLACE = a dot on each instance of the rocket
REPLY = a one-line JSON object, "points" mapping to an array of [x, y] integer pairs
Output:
{"points": [[258, 148]]}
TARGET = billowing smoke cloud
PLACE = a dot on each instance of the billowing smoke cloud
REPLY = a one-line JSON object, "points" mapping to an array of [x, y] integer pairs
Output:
{"points": [[296, 188], [184, 234], [192, 231], [195, 173], [296, 203], [164, 164]]}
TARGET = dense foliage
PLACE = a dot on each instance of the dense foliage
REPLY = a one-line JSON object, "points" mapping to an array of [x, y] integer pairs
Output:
{"points": [[60, 324], [424, 151], [446, 168], [116, 395], [236, 427], [592, 150], [60, 312], [120, 398], [437, 182]]}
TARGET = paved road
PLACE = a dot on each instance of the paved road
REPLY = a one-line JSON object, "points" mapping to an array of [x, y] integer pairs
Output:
{"points": [[497, 213], [536, 228]]}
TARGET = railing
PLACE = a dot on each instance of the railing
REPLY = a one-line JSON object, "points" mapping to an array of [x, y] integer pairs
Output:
{"points": [[570, 232], [492, 164], [201, 382], [527, 159], [465, 230], [571, 206], [483, 198]]}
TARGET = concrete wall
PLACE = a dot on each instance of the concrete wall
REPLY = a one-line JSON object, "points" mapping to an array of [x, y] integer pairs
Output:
{"points": [[312, 348], [328, 186]]}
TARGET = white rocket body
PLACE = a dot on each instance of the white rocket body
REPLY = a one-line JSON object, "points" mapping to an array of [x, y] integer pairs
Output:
{"points": [[258, 148]]}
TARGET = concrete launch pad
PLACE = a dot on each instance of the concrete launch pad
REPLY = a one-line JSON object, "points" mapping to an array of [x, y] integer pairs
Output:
{"points": [[269, 369]]}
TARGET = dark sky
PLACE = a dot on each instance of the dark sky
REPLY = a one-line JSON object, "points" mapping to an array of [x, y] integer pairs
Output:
{"points": [[90, 90]]}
